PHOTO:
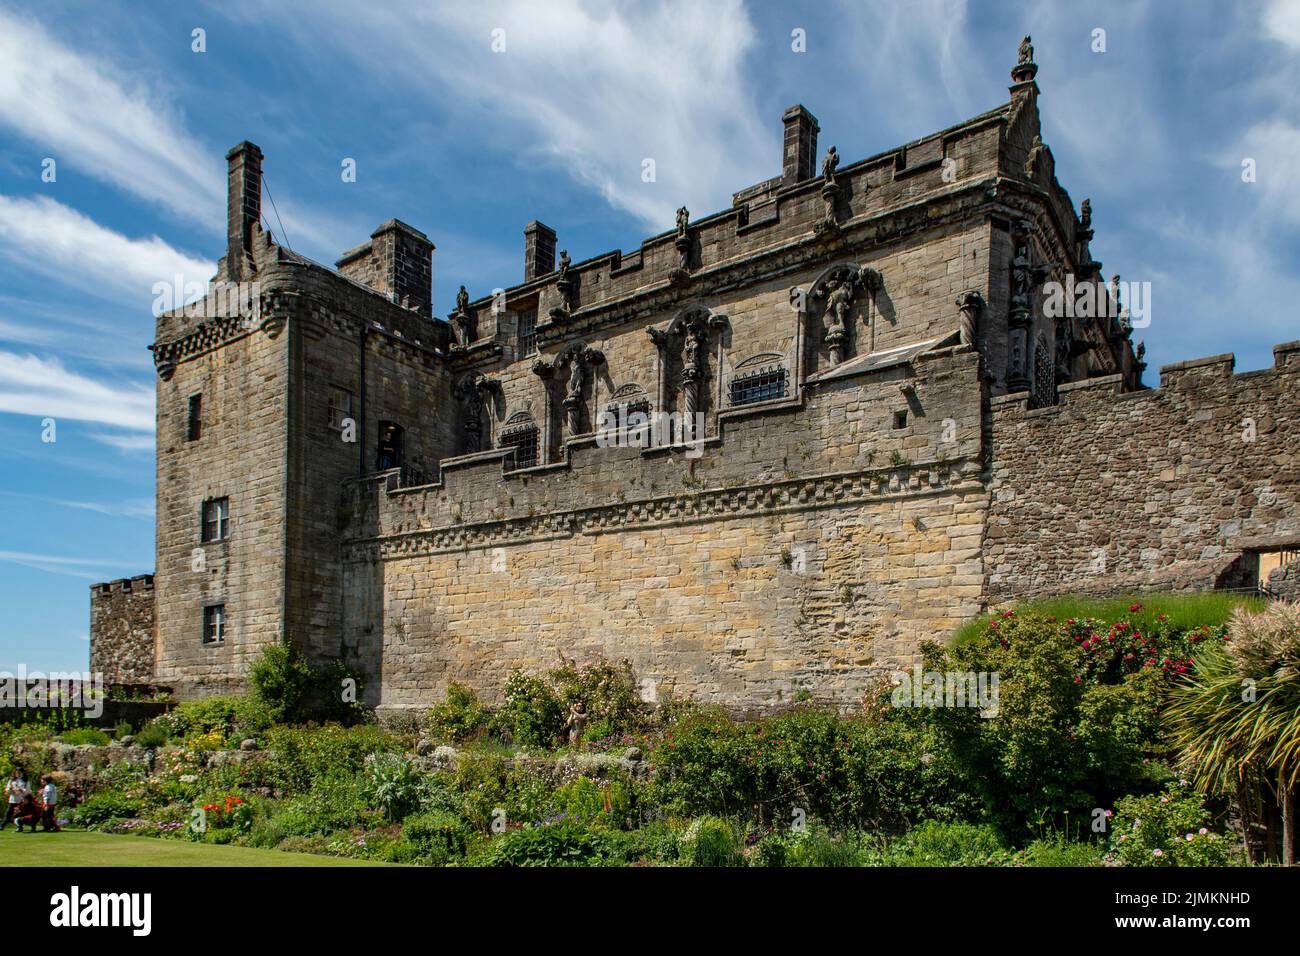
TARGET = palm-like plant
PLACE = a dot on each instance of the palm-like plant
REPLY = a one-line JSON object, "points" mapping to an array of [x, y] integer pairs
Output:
{"points": [[1237, 721]]}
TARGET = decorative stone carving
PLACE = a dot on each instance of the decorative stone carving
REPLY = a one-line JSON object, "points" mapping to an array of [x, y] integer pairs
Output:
{"points": [[971, 305], [1025, 69], [694, 350], [565, 286], [1018, 320], [1035, 156], [472, 390], [830, 163], [1085, 216], [837, 289], [683, 243], [830, 192], [462, 322]]}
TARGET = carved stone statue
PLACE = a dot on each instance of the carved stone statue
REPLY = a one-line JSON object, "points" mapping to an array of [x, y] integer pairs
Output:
{"points": [[971, 304], [462, 301], [838, 302], [683, 220], [1027, 51], [574, 392], [693, 358], [576, 723], [830, 163], [1035, 155], [1085, 215], [1022, 277], [564, 283]]}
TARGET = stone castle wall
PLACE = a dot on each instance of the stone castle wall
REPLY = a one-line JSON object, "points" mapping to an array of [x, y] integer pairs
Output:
{"points": [[1167, 487], [122, 620], [809, 547]]}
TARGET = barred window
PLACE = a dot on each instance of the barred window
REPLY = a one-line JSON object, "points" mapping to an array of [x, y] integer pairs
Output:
{"points": [[630, 415], [214, 624], [760, 385], [527, 324], [1044, 375], [523, 439], [216, 519]]}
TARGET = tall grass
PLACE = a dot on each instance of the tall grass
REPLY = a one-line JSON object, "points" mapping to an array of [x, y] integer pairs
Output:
{"points": [[1182, 611]]}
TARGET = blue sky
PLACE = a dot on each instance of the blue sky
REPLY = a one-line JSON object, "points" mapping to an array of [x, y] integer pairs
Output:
{"points": [[469, 144]]}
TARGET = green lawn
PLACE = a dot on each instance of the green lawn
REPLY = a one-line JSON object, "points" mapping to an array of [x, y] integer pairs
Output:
{"points": [[82, 848]]}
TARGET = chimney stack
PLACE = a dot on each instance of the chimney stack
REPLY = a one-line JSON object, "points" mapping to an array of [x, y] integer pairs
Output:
{"points": [[243, 206], [404, 265], [799, 161], [539, 250]]}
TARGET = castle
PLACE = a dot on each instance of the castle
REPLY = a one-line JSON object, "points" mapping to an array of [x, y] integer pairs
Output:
{"points": [[881, 430]]}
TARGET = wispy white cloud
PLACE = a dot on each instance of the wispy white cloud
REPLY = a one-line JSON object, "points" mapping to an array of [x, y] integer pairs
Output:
{"points": [[43, 387], [72, 249], [129, 508], [125, 443], [59, 564], [592, 91], [96, 118]]}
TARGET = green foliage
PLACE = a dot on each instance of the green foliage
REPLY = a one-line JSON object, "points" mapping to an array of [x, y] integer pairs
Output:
{"points": [[946, 844], [439, 837], [153, 734], [282, 681], [607, 804], [607, 691], [122, 729], [106, 806], [1077, 715], [292, 691], [490, 781], [653, 843], [392, 784], [223, 720], [298, 756], [461, 716], [1057, 851], [881, 770], [85, 735], [533, 715], [1168, 829], [550, 844], [1236, 722], [711, 841], [811, 847]]}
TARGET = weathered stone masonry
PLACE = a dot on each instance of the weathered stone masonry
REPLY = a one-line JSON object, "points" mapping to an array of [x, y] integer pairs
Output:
{"points": [[894, 435]]}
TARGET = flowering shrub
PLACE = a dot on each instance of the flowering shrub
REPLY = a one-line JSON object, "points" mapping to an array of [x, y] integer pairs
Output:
{"points": [[1078, 716], [608, 692], [227, 813], [459, 717], [533, 714], [1172, 828]]}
